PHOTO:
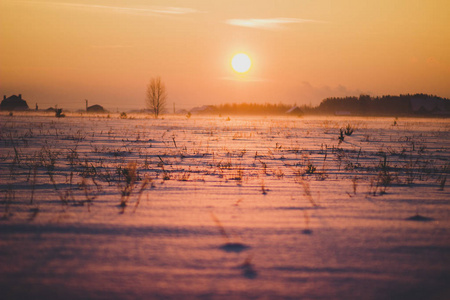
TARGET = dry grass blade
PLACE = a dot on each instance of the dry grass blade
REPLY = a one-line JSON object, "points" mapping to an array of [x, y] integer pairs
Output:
{"points": [[144, 185], [219, 226], [33, 184], [308, 194], [307, 230], [248, 269]]}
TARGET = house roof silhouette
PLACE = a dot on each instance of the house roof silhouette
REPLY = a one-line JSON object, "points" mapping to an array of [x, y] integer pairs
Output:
{"points": [[14, 102], [96, 108]]}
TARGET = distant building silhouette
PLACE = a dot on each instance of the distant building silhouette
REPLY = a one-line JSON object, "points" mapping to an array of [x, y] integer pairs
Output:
{"points": [[95, 109], [13, 102]]}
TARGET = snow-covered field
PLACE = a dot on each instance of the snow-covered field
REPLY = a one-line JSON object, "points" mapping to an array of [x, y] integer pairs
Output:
{"points": [[219, 208]]}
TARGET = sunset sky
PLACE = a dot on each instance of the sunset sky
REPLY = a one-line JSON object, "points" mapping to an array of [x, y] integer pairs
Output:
{"points": [[106, 51]]}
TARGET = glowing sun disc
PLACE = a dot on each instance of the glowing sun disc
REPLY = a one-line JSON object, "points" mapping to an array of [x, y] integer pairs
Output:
{"points": [[241, 63]]}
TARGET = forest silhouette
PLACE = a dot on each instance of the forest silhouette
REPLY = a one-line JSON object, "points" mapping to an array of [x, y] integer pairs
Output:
{"points": [[364, 105]]}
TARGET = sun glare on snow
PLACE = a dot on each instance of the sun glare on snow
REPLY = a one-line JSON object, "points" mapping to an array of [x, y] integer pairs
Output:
{"points": [[241, 63]]}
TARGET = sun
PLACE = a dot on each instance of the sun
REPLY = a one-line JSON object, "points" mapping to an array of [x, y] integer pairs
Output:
{"points": [[241, 63]]}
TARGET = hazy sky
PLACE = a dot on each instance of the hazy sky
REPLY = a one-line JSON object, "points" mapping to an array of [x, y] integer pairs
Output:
{"points": [[64, 51]]}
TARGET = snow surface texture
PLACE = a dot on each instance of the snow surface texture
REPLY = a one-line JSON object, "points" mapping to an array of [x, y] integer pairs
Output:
{"points": [[213, 208]]}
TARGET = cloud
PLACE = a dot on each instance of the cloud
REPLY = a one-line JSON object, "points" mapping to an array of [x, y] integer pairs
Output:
{"points": [[151, 10], [271, 24], [174, 10]]}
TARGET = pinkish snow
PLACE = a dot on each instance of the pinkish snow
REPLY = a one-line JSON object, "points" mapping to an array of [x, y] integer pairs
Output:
{"points": [[96, 207]]}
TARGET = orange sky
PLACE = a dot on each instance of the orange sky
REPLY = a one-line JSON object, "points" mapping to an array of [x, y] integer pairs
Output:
{"points": [[62, 52]]}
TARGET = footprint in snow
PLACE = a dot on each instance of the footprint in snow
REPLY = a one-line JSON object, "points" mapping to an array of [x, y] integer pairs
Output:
{"points": [[234, 247], [419, 218]]}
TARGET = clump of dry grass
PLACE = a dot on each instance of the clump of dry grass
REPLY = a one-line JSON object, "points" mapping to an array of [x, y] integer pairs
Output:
{"points": [[384, 177], [310, 168], [238, 174], [128, 185], [348, 130]]}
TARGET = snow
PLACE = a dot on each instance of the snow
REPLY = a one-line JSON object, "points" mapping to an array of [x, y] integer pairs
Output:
{"points": [[223, 208]]}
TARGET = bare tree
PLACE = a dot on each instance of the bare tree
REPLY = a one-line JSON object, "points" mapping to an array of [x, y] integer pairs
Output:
{"points": [[156, 96]]}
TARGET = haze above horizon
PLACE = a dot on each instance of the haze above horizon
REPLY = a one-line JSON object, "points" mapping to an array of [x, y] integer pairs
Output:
{"points": [[62, 52]]}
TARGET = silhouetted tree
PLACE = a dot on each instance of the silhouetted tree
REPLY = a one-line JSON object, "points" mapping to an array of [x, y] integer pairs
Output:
{"points": [[156, 96]]}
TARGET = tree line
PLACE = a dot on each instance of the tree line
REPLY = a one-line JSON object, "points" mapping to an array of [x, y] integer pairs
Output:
{"points": [[388, 105], [409, 104]]}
